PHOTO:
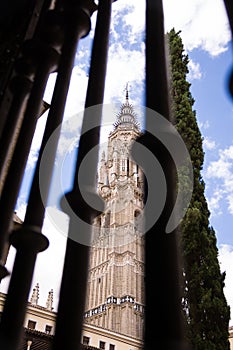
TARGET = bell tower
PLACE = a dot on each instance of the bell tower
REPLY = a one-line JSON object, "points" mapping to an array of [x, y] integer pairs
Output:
{"points": [[115, 293]]}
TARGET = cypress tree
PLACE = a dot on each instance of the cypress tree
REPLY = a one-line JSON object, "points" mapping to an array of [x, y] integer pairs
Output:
{"points": [[205, 308]]}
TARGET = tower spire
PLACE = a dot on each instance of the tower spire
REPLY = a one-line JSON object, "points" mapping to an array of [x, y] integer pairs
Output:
{"points": [[49, 303], [35, 295], [127, 117]]}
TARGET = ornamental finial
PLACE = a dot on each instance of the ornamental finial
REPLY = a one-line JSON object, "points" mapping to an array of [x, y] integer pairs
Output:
{"points": [[127, 92], [35, 295], [49, 302]]}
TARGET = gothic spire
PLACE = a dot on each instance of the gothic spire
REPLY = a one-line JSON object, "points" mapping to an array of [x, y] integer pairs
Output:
{"points": [[49, 302], [127, 117], [35, 295]]}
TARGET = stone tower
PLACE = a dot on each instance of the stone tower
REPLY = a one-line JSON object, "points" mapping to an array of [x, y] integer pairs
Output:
{"points": [[115, 294]]}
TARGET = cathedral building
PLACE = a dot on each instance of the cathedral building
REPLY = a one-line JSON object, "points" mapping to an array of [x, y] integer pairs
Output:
{"points": [[115, 293]]}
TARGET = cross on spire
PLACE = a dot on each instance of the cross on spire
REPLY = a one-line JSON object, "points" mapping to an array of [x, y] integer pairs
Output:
{"points": [[127, 91]]}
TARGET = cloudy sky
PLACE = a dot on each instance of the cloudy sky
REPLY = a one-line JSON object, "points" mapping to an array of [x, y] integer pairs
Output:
{"points": [[207, 40]]}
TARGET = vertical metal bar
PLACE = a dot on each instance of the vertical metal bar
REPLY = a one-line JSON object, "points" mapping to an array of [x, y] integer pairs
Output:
{"points": [[163, 299], [11, 327], [19, 159], [42, 177], [20, 84], [21, 88], [39, 58], [229, 9], [74, 279], [7, 204], [95, 93], [156, 73], [18, 21]]}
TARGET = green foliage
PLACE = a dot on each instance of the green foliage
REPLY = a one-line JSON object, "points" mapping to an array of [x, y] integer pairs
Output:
{"points": [[205, 308]]}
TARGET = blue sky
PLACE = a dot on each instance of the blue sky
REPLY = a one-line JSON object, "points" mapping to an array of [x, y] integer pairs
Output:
{"points": [[206, 37], [214, 108]]}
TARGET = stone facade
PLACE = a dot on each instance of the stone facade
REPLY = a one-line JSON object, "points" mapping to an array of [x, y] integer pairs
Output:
{"points": [[115, 297], [40, 323]]}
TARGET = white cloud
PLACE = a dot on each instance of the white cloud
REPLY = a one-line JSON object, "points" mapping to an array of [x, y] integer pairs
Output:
{"points": [[214, 202], [209, 144], [226, 263], [219, 169], [67, 144], [219, 174], [204, 125], [36, 141], [198, 28], [230, 203], [194, 70], [134, 17], [228, 152], [203, 24], [77, 92], [127, 64], [123, 66]]}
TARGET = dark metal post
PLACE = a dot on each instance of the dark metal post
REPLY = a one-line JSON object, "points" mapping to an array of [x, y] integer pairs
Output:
{"points": [[229, 9], [21, 86], [9, 327], [18, 23], [74, 279], [22, 147], [163, 317]]}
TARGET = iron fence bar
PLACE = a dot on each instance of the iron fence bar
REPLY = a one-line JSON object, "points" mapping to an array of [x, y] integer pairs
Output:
{"points": [[25, 18], [9, 331], [229, 10], [42, 177], [17, 296], [162, 273], [73, 286], [21, 88], [22, 148], [38, 59]]}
